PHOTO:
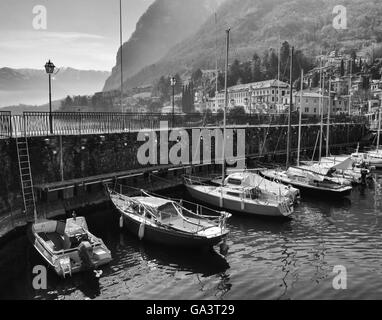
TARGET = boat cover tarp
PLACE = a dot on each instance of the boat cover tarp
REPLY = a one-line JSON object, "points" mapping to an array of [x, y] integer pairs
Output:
{"points": [[251, 180], [152, 202], [306, 171], [340, 163]]}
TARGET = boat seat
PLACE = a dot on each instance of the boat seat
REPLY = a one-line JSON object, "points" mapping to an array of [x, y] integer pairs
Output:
{"points": [[56, 239]]}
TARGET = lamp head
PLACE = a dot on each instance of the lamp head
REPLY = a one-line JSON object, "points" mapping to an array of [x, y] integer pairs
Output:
{"points": [[49, 67]]}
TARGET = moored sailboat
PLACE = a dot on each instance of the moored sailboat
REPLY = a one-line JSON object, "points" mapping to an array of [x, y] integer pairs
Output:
{"points": [[166, 221], [308, 181], [246, 199], [243, 200]]}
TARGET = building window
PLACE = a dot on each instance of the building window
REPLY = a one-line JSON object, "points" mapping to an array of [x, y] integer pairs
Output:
{"points": [[315, 110], [306, 110]]}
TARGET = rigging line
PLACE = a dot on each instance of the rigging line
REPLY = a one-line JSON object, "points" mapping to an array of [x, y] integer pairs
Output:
{"points": [[278, 141], [315, 146], [266, 136]]}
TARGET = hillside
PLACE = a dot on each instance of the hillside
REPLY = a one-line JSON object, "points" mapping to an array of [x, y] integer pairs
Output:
{"points": [[30, 87], [257, 24], [165, 23]]}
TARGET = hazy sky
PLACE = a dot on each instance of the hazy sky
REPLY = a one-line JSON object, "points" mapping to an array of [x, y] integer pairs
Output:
{"points": [[82, 34]]}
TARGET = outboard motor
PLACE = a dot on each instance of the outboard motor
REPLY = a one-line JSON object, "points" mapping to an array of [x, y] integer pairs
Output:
{"points": [[86, 252]]}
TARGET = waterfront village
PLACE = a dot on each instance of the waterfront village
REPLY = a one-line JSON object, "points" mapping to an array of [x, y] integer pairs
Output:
{"points": [[355, 88]]}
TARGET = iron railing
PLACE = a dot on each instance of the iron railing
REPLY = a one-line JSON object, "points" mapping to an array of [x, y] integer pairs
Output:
{"points": [[82, 123], [5, 124]]}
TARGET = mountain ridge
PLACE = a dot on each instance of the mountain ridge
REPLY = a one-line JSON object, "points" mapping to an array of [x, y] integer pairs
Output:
{"points": [[256, 26]]}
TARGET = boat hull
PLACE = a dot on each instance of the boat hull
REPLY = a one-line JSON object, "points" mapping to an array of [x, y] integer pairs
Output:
{"points": [[169, 237], [375, 162], [313, 190], [235, 206]]}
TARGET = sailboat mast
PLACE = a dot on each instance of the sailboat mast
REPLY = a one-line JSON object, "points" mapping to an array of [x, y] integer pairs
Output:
{"points": [[328, 123], [121, 58], [216, 63], [225, 105], [379, 126], [278, 73], [350, 85], [321, 109], [300, 118], [289, 142]]}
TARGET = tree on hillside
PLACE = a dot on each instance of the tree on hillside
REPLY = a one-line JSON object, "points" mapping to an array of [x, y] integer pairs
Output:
{"points": [[246, 73], [68, 102], [188, 98], [237, 112], [270, 64], [162, 88], [342, 68], [234, 73], [284, 54], [315, 80], [196, 77], [220, 115], [179, 84], [257, 75]]}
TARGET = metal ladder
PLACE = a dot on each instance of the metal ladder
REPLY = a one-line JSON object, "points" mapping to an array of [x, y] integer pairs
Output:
{"points": [[26, 177]]}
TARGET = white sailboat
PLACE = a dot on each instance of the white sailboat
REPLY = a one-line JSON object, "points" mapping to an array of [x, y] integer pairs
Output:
{"points": [[315, 178], [237, 198], [347, 167]]}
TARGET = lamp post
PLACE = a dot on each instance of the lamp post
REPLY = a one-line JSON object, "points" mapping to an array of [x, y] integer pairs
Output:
{"points": [[173, 84], [49, 68]]}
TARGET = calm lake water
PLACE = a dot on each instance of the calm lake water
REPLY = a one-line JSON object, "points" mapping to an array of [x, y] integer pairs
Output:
{"points": [[267, 259]]}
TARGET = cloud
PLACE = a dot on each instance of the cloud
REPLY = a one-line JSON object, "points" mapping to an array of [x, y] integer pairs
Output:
{"points": [[73, 49]]}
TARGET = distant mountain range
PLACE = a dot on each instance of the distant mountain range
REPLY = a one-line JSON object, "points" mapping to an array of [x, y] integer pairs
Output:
{"points": [[30, 86], [256, 25]]}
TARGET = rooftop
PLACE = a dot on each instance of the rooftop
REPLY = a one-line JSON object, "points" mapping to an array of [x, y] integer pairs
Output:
{"points": [[259, 85], [309, 94]]}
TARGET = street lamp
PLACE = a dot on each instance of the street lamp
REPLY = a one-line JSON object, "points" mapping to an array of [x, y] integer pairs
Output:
{"points": [[49, 68], [173, 84]]}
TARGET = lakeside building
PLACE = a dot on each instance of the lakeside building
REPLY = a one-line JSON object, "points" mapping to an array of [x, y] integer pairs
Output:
{"points": [[376, 88], [311, 104], [263, 96]]}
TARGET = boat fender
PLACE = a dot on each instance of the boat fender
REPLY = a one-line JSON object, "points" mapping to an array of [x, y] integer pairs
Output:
{"points": [[86, 252], [141, 232], [98, 273], [121, 222]]}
